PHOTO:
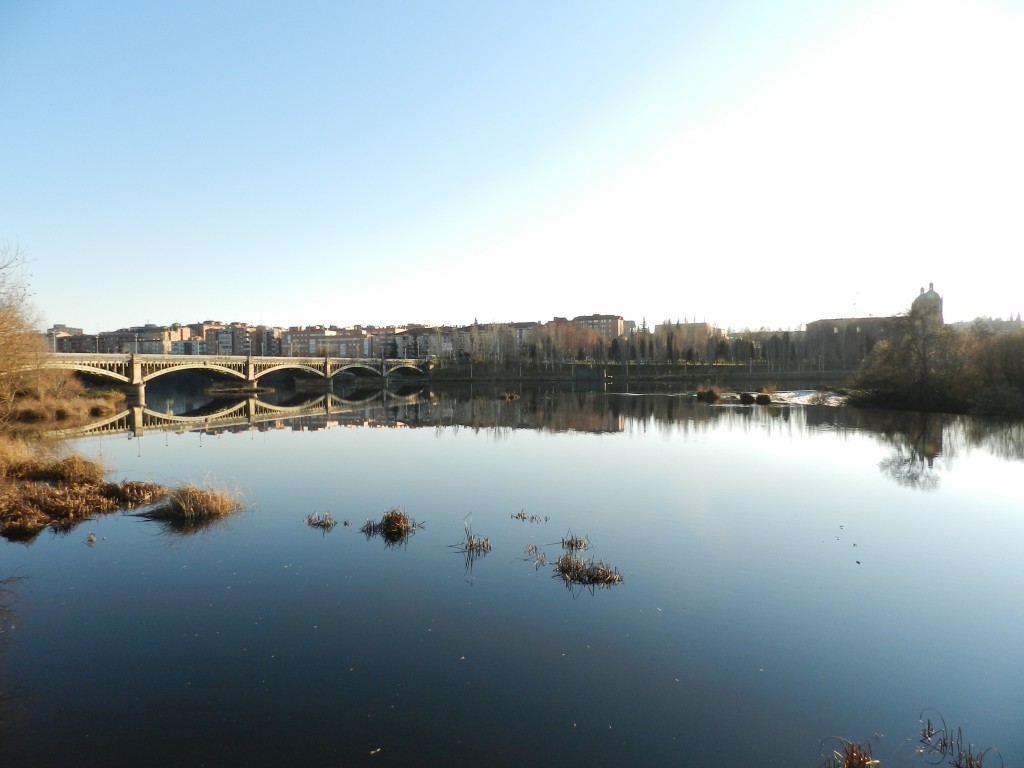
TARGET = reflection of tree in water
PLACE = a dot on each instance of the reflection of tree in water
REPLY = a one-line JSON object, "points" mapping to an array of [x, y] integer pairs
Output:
{"points": [[1004, 439], [916, 444], [8, 597], [910, 469]]}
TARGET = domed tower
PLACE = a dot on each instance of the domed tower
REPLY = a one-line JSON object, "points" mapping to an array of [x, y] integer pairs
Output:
{"points": [[928, 305]]}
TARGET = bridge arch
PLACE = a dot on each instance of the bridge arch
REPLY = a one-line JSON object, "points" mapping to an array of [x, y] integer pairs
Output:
{"points": [[112, 372], [198, 366]]}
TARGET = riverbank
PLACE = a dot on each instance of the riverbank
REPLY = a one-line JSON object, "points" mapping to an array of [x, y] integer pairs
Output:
{"points": [[680, 376]]}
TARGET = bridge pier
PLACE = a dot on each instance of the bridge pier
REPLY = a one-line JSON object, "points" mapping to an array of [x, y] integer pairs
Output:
{"points": [[135, 394], [136, 384], [135, 418]]}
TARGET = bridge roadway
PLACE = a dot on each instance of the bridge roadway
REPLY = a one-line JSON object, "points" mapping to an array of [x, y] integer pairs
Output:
{"points": [[136, 370]]}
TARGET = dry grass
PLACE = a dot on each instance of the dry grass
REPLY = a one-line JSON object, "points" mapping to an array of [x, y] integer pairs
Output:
{"points": [[708, 393], [395, 527], [539, 558], [321, 520], [71, 470], [576, 570], [190, 502], [575, 543], [13, 453], [473, 544], [848, 754], [65, 402], [40, 490]]}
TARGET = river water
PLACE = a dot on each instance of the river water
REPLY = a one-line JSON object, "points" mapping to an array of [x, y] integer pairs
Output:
{"points": [[790, 573]]}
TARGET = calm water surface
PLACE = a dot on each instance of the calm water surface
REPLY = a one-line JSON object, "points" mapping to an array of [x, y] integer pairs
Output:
{"points": [[790, 573]]}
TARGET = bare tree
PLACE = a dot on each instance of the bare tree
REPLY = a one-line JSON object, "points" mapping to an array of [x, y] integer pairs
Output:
{"points": [[21, 345]]}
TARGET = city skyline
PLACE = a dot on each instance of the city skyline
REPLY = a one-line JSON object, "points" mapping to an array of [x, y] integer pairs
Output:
{"points": [[761, 165]]}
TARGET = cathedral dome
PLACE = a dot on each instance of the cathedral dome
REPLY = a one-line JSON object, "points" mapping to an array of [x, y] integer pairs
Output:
{"points": [[928, 303]]}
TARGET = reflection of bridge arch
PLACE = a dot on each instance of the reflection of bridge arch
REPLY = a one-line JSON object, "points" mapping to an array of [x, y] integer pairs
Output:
{"points": [[138, 419]]}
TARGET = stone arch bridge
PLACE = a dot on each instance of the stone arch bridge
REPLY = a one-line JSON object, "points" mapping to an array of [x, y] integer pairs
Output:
{"points": [[136, 371]]}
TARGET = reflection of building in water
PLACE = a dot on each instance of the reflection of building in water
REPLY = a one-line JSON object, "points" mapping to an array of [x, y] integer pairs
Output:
{"points": [[842, 343]]}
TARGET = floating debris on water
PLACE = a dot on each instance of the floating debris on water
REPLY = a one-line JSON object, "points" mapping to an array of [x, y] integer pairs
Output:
{"points": [[521, 515]]}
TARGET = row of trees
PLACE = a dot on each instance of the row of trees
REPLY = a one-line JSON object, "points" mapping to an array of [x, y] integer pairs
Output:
{"points": [[672, 343]]}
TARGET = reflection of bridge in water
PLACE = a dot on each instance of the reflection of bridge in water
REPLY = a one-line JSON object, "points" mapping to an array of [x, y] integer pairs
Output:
{"points": [[247, 413], [138, 370]]}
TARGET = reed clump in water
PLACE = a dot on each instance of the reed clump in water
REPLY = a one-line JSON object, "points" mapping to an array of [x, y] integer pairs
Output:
{"points": [[473, 544], [940, 743], [395, 526], [575, 543], [539, 558], [321, 520], [575, 570], [849, 754], [190, 502]]}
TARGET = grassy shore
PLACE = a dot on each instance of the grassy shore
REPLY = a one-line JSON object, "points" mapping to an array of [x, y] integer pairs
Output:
{"points": [[42, 487], [40, 490]]}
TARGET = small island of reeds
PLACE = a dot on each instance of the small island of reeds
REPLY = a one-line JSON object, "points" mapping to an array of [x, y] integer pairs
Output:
{"points": [[395, 527], [40, 490]]}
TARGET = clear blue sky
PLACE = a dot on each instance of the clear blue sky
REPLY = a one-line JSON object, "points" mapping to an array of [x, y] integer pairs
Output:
{"points": [[745, 163]]}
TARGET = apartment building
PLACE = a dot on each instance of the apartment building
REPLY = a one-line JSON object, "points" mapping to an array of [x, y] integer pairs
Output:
{"points": [[609, 326]]}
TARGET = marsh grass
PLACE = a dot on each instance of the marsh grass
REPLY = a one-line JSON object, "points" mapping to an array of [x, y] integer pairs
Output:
{"points": [[574, 543], [533, 552], [40, 490], [395, 527], [473, 544], [848, 754], [190, 502], [72, 406], [575, 570], [708, 393], [940, 744], [321, 520]]}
